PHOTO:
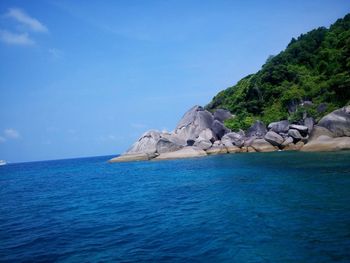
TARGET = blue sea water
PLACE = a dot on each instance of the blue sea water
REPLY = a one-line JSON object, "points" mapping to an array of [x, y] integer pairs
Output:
{"points": [[270, 207]]}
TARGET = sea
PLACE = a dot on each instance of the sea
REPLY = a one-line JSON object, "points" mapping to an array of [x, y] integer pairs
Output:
{"points": [[251, 207]]}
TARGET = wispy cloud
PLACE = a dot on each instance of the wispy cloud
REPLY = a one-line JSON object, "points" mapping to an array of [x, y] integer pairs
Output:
{"points": [[11, 133], [16, 38], [23, 18], [56, 53]]}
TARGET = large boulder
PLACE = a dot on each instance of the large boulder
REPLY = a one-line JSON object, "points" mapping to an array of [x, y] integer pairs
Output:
{"points": [[319, 131], [301, 128], [146, 143], [309, 122], [222, 115], [258, 129], [219, 129], [279, 126], [274, 138], [295, 134], [164, 145], [207, 135], [260, 145], [324, 143], [233, 138], [338, 122], [192, 123], [203, 144], [288, 140], [186, 152]]}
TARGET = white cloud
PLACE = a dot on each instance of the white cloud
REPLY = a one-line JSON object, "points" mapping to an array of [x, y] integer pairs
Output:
{"points": [[2, 139], [23, 18], [15, 39], [12, 134], [56, 53]]}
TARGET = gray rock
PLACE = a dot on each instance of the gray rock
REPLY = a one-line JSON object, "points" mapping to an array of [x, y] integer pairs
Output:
{"points": [[307, 103], [300, 128], [260, 145], [295, 134], [164, 145], [279, 126], [258, 129], [146, 143], [217, 143], [207, 135], [249, 141], [338, 122], [192, 123], [222, 115], [274, 138], [219, 129], [319, 131], [203, 144], [186, 152], [309, 123], [233, 138], [287, 141], [196, 118]]}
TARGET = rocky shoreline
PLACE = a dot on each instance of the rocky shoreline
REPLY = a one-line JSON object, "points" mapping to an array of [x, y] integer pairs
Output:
{"points": [[201, 133]]}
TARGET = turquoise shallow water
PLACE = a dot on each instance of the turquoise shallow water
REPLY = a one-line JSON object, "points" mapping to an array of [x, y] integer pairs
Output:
{"points": [[270, 207]]}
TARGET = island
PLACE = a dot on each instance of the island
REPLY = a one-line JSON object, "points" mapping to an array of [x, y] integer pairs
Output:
{"points": [[298, 101]]}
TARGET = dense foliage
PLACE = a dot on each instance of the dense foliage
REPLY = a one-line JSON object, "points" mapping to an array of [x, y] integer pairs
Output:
{"points": [[313, 68]]}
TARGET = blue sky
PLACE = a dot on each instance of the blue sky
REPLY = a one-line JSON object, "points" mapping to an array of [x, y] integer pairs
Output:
{"points": [[87, 78]]}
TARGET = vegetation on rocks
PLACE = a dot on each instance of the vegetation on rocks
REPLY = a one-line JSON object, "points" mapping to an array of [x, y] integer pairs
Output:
{"points": [[311, 77]]}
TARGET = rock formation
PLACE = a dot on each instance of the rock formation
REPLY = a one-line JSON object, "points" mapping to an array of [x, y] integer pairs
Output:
{"points": [[200, 133]]}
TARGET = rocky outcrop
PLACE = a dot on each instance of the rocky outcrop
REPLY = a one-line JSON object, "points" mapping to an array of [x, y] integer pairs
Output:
{"points": [[200, 133], [219, 129], [203, 144], [146, 143], [165, 145], [318, 131], [338, 122], [260, 145], [192, 123], [309, 122], [274, 138], [257, 130], [196, 128], [233, 139], [279, 126], [324, 143]]}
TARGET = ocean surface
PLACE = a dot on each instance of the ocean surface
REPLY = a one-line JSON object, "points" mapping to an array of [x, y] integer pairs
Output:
{"points": [[253, 207]]}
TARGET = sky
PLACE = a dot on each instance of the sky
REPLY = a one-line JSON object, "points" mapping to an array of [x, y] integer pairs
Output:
{"points": [[87, 78]]}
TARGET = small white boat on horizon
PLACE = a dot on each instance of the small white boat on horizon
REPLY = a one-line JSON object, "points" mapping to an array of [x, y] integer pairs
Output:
{"points": [[3, 162]]}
